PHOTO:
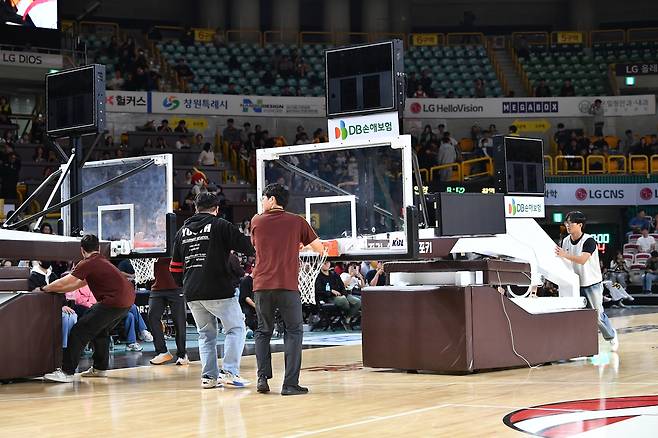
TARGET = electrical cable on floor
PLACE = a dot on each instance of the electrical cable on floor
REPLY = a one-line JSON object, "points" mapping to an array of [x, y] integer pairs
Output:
{"points": [[509, 323]]}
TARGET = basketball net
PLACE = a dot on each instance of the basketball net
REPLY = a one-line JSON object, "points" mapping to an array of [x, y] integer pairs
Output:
{"points": [[143, 270], [310, 264]]}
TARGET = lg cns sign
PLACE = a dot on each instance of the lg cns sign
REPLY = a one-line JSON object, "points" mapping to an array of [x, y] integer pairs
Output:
{"points": [[582, 193]]}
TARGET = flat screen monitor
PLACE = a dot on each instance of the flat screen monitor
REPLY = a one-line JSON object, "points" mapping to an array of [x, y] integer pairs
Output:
{"points": [[471, 214], [40, 14]]}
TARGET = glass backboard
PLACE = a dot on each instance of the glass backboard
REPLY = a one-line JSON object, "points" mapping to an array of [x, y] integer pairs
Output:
{"points": [[134, 209], [352, 193]]}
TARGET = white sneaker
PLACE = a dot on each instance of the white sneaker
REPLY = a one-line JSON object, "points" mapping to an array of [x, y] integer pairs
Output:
{"points": [[614, 343], [134, 347], [161, 358], [209, 382], [146, 336], [93, 372], [183, 360], [59, 376], [232, 380]]}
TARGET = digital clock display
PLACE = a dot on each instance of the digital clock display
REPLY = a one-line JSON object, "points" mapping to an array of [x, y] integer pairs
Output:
{"points": [[456, 189], [460, 190]]}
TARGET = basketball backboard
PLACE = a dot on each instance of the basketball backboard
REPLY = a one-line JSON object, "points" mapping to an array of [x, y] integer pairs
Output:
{"points": [[134, 209], [352, 193]]}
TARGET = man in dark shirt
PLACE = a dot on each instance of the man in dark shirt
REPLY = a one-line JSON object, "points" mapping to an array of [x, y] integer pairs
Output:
{"points": [[165, 292], [231, 134], [376, 277], [330, 288], [567, 89], [181, 127], [248, 304], [277, 236], [114, 296], [542, 90]]}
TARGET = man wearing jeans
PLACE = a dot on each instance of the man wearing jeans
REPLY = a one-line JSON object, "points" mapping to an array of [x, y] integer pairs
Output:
{"points": [[581, 250], [277, 236], [200, 263], [651, 272]]}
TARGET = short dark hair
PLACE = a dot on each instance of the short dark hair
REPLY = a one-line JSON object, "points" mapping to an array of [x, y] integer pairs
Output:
{"points": [[654, 253], [205, 201], [89, 243], [229, 121], [576, 217], [165, 121], [279, 192], [512, 128]]}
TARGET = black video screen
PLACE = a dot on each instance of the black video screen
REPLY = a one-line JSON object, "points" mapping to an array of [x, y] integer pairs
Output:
{"points": [[70, 99], [359, 60], [524, 166], [472, 214]]}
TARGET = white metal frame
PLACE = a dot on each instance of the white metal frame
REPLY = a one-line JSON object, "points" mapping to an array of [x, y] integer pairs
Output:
{"points": [[117, 207], [402, 142], [334, 200]]}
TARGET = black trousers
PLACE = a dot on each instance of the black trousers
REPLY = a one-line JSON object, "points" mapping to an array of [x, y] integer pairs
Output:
{"points": [[95, 326], [290, 307], [158, 300]]}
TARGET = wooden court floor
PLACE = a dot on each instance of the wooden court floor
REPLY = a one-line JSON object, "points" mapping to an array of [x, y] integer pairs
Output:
{"points": [[345, 399]]}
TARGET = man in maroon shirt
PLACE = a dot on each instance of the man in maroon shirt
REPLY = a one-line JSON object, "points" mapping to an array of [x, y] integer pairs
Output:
{"points": [[115, 296], [276, 235]]}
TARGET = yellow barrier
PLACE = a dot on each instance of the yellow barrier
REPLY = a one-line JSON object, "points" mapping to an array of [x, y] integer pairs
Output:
{"points": [[456, 173], [564, 159], [425, 175], [638, 164], [469, 164], [550, 164], [614, 164], [592, 159], [654, 163]]}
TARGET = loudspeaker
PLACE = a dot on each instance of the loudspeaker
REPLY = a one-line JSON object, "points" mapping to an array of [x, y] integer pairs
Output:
{"points": [[75, 101], [365, 79]]}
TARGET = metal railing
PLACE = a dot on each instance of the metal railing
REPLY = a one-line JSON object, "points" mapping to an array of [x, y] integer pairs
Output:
{"points": [[579, 168]]}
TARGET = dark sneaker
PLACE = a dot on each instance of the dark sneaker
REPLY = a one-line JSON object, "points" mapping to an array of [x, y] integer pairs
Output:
{"points": [[262, 385], [293, 390]]}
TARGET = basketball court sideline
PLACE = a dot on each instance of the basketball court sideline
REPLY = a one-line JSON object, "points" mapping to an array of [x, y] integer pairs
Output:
{"points": [[345, 398]]}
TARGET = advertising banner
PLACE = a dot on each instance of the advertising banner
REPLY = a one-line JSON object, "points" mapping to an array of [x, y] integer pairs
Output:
{"points": [[126, 101], [602, 194], [30, 59], [425, 39], [528, 107], [524, 206], [363, 127]]}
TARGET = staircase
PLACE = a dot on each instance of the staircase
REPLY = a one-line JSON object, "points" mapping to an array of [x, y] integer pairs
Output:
{"points": [[509, 72]]}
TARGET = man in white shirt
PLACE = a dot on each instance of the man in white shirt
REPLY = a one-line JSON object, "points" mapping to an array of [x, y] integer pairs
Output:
{"points": [[645, 242], [581, 250]]}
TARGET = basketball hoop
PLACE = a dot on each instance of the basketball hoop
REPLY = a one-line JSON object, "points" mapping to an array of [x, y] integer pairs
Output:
{"points": [[144, 271], [310, 264]]}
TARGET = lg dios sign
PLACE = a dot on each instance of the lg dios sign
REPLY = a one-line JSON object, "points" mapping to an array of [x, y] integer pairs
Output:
{"points": [[20, 58]]}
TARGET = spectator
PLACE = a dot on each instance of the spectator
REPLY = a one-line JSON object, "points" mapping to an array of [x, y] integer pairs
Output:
{"points": [[232, 89], [450, 95], [117, 81], [183, 143], [485, 145], [286, 67], [653, 145], [183, 70], [248, 304], [245, 132], [426, 156], [641, 220], [181, 127], [628, 143], [377, 276], [204, 89], [5, 110], [231, 134], [427, 136], [567, 89], [329, 287], [420, 93], [112, 48], [39, 155], [109, 141], [25, 139], [447, 155], [412, 84], [218, 38], [426, 82], [206, 156], [646, 243], [352, 279], [199, 140], [598, 113], [522, 48], [479, 90], [513, 131], [619, 270], [542, 90], [164, 126], [654, 225], [161, 143], [650, 272], [135, 327], [9, 176], [187, 36], [38, 128], [476, 133], [493, 130], [148, 144]]}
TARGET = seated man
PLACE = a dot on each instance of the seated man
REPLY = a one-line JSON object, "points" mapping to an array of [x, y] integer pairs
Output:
{"points": [[377, 276], [651, 272], [330, 289], [646, 243], [248, 304], [352, 279]]}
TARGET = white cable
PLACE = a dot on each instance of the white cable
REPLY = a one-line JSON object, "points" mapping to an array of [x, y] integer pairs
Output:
{"points": [[509, 323]]}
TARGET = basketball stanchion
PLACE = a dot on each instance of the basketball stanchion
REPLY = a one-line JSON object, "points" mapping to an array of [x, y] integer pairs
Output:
{"points": [[310, 264], [143, 270]]}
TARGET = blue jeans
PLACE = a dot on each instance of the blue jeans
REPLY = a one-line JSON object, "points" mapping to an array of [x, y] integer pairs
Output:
{"points": [[594, 295], [68, 321], [205, 313], [133, 318], [648, 279]]}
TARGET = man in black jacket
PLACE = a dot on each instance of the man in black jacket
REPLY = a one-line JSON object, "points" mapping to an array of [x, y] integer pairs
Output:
{"points": [[200, 263]]}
